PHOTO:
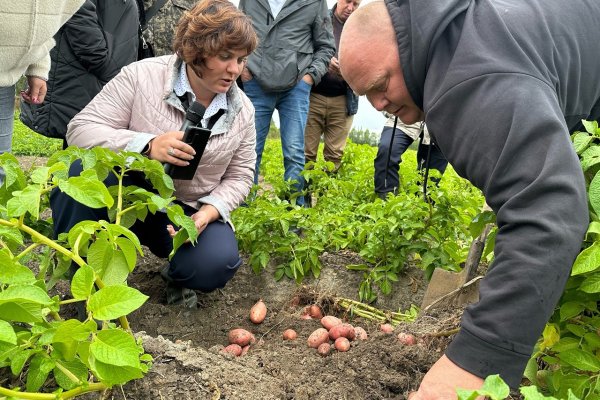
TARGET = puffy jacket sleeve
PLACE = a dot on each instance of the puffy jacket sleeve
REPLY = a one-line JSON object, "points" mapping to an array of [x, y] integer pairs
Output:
{"points": [[86, 38], [105, 120], [239, 175], [323, 43], [506, 133]]}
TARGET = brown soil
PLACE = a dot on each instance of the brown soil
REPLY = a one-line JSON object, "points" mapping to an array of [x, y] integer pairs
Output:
{"points": [[187, 344]]}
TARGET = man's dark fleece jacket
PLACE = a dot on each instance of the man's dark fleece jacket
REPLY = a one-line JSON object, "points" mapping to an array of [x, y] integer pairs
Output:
{"points": [[502, 83]]}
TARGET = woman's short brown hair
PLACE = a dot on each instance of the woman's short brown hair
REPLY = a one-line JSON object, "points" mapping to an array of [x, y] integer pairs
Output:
{"points": [[210, 27]]}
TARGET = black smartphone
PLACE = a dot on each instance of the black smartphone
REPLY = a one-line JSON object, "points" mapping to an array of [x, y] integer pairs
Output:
{"points": [[197, 137]]}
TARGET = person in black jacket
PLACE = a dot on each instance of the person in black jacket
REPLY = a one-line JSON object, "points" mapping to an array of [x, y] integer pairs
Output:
{"points": [[500, 85], [91, 48]]}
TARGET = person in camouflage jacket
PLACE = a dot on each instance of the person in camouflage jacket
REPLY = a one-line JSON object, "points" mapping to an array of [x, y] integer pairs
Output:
{"points": [[161, 27]]}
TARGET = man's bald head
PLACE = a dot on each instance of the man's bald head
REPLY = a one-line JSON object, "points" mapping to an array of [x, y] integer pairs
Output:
{"points": [[370, 62], [367, 32], [368, 26]]}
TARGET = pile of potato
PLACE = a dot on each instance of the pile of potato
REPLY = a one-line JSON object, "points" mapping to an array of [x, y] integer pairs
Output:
{"points": [[241, 339], [336, 331], [335, 334]]}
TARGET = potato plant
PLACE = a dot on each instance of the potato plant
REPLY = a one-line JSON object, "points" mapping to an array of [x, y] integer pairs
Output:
{"points": [[494, 388], [62, 358], [348, 215]]}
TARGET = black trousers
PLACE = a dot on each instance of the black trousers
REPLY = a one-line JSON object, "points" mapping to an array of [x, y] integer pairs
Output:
{"points": [[386, 183], [205, 266]]}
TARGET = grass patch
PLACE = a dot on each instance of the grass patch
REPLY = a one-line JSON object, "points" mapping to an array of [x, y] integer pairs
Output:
{"points": [[26, 142]]}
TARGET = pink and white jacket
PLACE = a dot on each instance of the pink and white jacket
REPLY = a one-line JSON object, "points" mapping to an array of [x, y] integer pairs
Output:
{"points": [[139, 104]]}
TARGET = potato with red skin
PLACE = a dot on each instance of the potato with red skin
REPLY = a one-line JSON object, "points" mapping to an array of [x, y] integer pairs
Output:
{"points": [[234, 349], [315, 311], [241, 337], [258, 312], [318, 337], [386, 328], [342, 330], [289, 334], [360, 333], [342, 344], [407, 339], [245, 349], [295, 302], [329, 321], [324, 349]]}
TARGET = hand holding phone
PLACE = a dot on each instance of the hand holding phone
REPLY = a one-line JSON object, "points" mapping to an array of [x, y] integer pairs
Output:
{"points": [[197, 137]]}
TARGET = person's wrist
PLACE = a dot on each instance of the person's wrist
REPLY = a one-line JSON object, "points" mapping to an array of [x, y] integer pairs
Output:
{"points": [[147, 149], [37, 77]]}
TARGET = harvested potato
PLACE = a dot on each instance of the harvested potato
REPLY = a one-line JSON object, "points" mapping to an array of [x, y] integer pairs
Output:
{"points": [[241, 337], [342, 344], [245, 349], [318, 337], [329, 321], [315, 312], [324, 349], [360, 333], [258, 312], [342, 330], [289, 334], [407, 339], [295, 302], [234, 349], [386, 328]]}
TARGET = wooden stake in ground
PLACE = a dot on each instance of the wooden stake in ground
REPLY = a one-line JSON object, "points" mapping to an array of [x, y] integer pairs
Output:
{"points": [[461, 285]]}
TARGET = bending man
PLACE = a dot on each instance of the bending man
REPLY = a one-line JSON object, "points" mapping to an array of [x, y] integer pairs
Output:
{"points": [[500, 103]]}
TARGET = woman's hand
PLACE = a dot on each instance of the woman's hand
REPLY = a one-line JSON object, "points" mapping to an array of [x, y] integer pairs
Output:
{"points": [[169, 147], [204, 216], [36, 90]]}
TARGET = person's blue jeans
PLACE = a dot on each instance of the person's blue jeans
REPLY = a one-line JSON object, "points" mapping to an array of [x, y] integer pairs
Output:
{"points": [[387, 181], [292, 106], [7, 111]]}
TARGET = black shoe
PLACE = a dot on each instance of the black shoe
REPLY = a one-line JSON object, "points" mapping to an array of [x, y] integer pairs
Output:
{"points": [[179, 295], [82, 314], [308, 200], [296, 230], [176, 294]]}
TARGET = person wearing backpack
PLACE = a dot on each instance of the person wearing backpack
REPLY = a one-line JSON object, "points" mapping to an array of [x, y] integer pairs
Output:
{"points": [[91, 48], [159, 22]]}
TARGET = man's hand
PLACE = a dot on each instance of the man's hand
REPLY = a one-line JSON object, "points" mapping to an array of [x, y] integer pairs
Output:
{"points": [[36, 90], [334, 67], [246, 75], [308, 79], [442, 380]]}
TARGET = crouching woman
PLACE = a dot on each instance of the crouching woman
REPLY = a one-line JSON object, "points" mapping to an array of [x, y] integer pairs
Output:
{"points": [[142, 110]]}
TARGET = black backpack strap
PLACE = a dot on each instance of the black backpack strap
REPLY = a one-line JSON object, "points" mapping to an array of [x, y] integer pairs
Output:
{"points": [[151, 12], [213, 120], [141, 13]]}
